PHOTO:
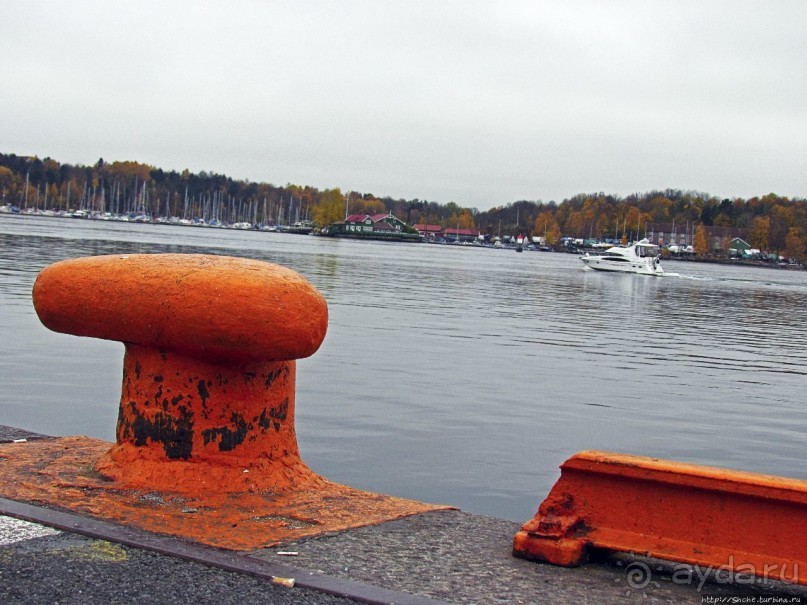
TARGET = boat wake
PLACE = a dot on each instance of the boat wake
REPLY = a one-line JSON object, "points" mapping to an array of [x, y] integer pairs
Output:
{"points": [[692, 277]]}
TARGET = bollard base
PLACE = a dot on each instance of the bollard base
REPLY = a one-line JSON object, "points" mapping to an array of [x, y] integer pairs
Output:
{"points": [[192, 426], [61, 473]]}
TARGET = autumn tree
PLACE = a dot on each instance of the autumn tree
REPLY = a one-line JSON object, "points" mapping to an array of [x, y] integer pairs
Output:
{"points": [[590, 213], [660, 208], [546, 226], [466, 219], [460, 220], [330, 208], [781, 220], [633, 220], [796, 244], [701, 244], [575, 224], [6, 178], [603, 226], [367, 206], [128, 170], [758, 235]]}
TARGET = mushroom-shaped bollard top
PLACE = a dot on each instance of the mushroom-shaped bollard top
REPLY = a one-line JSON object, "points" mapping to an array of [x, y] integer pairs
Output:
{"points": [[207, 401], [215, 308]]}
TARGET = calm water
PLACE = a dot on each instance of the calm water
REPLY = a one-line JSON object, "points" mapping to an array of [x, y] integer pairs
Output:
{"points": [[462, 376]]}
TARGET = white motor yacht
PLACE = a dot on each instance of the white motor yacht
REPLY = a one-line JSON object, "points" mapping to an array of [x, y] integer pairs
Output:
{"points": [[641, 257]]}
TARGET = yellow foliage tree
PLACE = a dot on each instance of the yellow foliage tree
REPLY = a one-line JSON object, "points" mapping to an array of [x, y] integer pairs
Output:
{"points": [[6, 180], [128, 170], [633, 221], [330, 208], [460, 220], [553, 234], [758, 235], [541, 224], [701, 241], [661, 208], [796, 244], [603, 226], [466, 220], [546, 226], [575, 224], [367, 206], [6, 176]]}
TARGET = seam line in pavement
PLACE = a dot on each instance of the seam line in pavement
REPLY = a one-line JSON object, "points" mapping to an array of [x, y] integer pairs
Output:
{"points": [[222, 559]]}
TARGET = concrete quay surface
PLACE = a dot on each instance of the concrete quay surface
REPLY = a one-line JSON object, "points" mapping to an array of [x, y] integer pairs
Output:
{"points": [[445, 556]]}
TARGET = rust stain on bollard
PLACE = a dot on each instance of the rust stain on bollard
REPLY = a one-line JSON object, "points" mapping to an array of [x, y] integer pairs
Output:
{"points": [[206, 417], [221, 428], [741, 522]]}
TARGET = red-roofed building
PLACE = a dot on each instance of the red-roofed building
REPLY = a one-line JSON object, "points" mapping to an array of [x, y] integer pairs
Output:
{"points": [[431, 231], [463, 235]]}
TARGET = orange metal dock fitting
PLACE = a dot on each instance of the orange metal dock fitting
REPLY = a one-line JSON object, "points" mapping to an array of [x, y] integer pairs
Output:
{"points": [[209, 370], [738, 522], [206, 446]]}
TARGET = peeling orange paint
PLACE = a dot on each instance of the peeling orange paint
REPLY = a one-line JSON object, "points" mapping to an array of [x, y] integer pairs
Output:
{"points": [[60, 473], [222, 428]]}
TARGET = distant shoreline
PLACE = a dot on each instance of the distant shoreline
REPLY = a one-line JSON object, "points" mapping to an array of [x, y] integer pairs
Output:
{"points": [[684, 259]]}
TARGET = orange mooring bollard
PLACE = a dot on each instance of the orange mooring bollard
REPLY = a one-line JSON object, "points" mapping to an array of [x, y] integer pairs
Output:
{"points": [[725, 520], [209, 372], [206, 447]]}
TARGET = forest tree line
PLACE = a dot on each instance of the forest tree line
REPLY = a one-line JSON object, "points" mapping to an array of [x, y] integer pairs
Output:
{"points": [[770, 222]]}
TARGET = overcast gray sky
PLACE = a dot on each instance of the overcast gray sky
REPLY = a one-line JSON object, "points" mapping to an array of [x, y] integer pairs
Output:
{"points": [[480, 103]]}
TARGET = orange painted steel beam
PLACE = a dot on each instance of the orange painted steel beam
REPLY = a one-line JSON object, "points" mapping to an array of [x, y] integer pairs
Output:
{"points": [[727, 520]]}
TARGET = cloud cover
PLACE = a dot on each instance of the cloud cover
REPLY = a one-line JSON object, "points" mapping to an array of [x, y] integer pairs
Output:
{"points": [[480, 103]]}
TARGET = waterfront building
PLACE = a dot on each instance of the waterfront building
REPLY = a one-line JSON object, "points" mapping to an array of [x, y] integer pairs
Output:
{"points": [[429, 231], [683, 235], [375, 226], [461, 235]]}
